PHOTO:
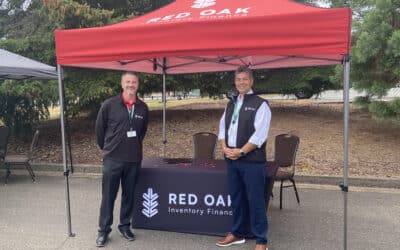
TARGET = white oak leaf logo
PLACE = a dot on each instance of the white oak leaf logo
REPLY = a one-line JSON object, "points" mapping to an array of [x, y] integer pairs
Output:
{"points": [[150, 203], [199, 4]]}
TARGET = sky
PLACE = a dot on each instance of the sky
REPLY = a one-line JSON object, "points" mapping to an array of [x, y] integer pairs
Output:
{"points": [[25, 5]]}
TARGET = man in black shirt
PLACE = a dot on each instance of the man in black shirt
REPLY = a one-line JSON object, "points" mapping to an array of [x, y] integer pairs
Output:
{"points": [[121, 126]]}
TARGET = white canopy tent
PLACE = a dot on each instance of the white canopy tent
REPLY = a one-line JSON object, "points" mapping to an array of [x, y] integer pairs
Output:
{"points": [[17, 67], [14, 66]]}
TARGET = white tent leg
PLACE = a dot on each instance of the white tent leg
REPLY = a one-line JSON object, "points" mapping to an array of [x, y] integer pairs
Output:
{"points": [[344, 186], [164, 97], [64, 149]]}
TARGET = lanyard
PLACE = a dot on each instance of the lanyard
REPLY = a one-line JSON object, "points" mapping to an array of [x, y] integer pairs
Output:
{"points": [[235, 113], [130, 113]]}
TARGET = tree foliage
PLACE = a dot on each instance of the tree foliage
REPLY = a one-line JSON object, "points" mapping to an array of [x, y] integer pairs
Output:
{"points": [[386, 110], [68, 14], [303, 82], [28, 106], [28, 30], [126, 8], [145, 6], [23, 104], [376, 53]]}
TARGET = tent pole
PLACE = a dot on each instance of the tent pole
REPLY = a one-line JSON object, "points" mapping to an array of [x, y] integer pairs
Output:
{"points": [[164, 109], [64, 152], [344, 185], [164, 136]]}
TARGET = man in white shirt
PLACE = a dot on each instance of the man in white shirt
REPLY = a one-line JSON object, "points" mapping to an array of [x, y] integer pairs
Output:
{"points": [[243, 133]]}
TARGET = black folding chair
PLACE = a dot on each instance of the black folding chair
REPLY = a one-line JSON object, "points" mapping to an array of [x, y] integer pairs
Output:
{"points": [[22, 159]]}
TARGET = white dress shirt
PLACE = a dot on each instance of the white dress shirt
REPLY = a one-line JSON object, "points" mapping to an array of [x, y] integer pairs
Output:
{"points": [[261, 125]]}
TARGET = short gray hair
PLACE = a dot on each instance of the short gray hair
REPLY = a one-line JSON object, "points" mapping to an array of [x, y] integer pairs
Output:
{"points": [[130, 73], [245, 69]]}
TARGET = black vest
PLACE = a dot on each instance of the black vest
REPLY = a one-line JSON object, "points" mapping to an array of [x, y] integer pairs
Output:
{"points": [[247, 115]]}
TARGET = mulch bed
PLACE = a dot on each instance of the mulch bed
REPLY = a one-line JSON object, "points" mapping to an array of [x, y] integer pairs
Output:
{"points": [[374, 147]]}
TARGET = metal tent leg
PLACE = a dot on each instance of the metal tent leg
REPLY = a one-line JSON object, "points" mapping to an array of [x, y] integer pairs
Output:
{"points": [[344, 185], [64, 152], [164, 108], [164, 136]]}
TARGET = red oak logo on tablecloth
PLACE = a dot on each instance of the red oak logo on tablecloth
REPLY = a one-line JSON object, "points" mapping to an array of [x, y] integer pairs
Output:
{"points": [[150, 203], [187, 203]]}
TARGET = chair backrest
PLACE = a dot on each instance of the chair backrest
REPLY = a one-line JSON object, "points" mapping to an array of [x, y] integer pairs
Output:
{"points": [[204, 145], [285, 149], [4, 135], [34, 143]]}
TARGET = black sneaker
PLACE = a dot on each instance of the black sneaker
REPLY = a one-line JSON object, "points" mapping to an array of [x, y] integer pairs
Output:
{"points": [[127, 234], [101, 239]]}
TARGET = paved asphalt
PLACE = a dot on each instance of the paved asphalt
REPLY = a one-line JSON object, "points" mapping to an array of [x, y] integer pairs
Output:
{"points": [[33, 216]]}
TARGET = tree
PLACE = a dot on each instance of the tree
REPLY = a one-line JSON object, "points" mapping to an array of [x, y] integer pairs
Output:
{"points": [[126, 8], [215, 84], [145, 6], [28, 30], [37, 42], [23, 104], [302, 82], [68, 14], [376, 55]]}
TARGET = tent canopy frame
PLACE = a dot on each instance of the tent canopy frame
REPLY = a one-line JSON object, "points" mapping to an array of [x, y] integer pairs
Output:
{"points": [[160, 43]]}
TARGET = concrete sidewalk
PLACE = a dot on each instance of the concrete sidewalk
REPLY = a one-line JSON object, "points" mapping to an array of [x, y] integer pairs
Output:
{"points": [[33, 216]]}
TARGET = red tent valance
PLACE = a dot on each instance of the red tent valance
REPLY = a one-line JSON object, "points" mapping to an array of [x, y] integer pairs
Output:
{"points": [[212, 35]]}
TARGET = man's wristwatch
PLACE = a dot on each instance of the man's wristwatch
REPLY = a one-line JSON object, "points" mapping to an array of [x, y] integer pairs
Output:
{"points": [[242, 153]]}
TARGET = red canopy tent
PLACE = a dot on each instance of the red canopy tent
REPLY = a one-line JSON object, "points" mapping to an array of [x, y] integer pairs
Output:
{"points": [[212, 35], [189, 36]]}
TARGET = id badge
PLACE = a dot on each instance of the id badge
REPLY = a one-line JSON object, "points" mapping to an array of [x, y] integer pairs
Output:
{"points": [[131, 133]]}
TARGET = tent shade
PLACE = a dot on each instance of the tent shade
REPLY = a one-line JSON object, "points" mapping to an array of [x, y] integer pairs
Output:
{"points": [[212, 35], [13, 66]]}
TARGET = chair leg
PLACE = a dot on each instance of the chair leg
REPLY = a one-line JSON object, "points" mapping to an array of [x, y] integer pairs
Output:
{"points": [[8, 172], [30, 171], [295, 190], [280, 195]]}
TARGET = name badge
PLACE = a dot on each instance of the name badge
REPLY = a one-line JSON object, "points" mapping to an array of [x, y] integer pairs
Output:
{"points": [[131, 134]]}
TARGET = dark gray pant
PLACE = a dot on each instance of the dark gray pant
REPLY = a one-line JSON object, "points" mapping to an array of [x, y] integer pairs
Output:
{"points": [[115, 172]]}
